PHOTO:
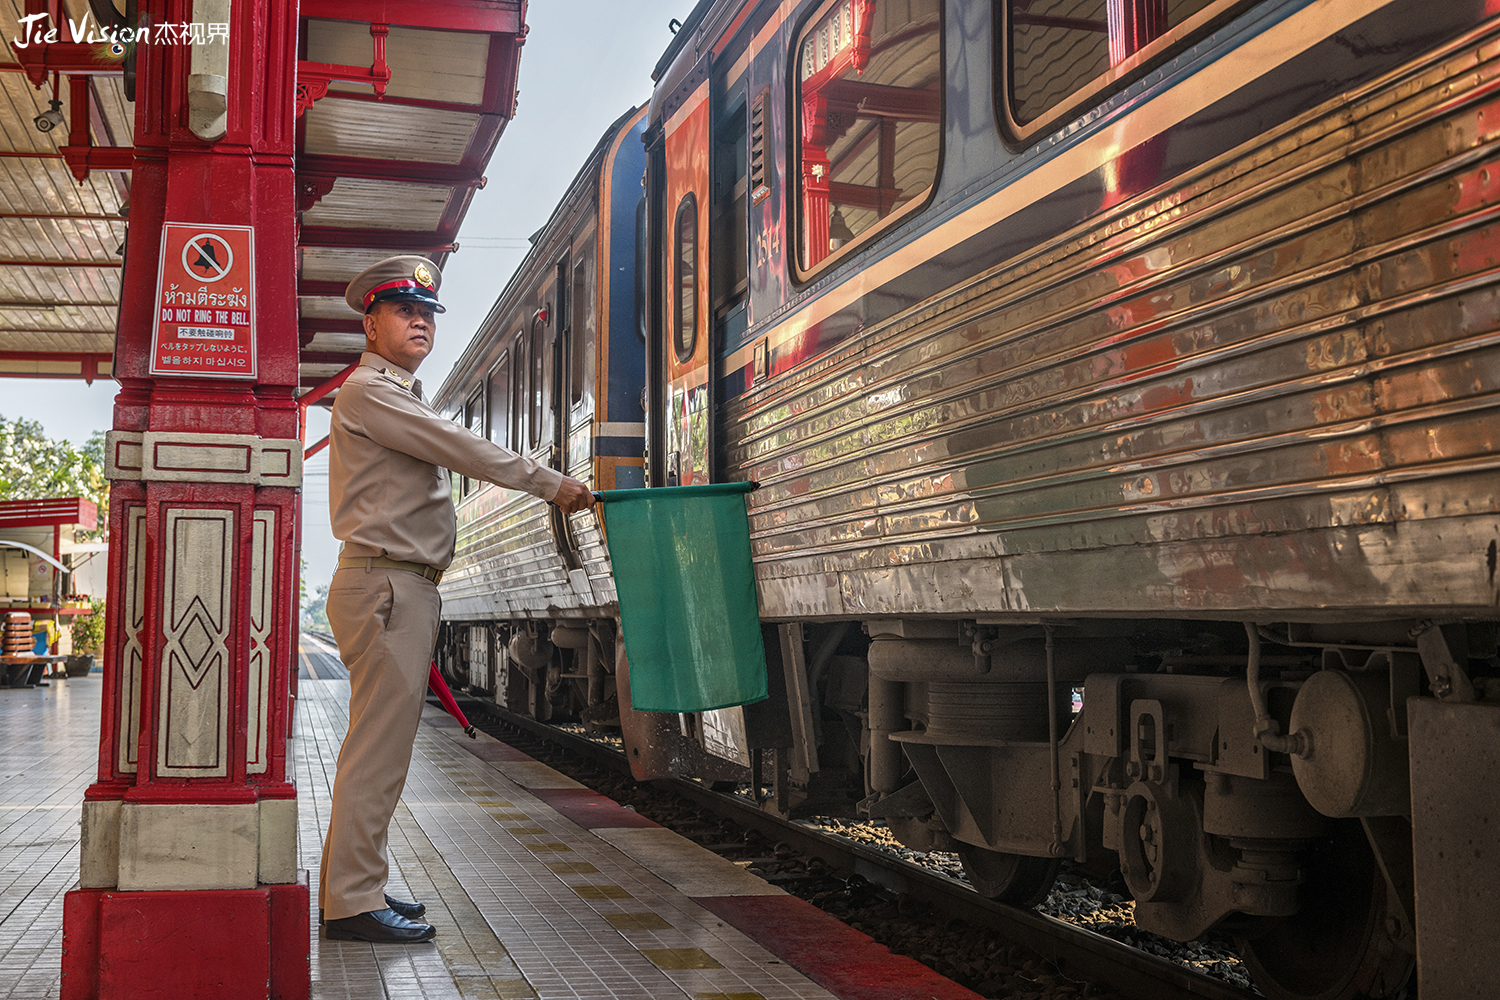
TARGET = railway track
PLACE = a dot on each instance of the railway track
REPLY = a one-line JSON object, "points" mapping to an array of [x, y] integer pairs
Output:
{"points": [[1080, 953]]}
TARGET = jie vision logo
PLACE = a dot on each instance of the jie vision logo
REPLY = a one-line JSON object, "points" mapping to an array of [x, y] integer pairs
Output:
{"points": [[38, 29]]}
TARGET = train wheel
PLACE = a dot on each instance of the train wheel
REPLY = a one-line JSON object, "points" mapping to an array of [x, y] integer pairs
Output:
{"points": [[1008, 878], [1336, 947]]}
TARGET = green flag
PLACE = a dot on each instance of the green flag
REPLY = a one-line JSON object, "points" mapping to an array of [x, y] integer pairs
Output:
{"points": [[691, 622]]}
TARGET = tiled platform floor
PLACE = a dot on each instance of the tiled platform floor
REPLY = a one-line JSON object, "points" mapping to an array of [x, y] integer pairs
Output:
{"points": [[49, 752], [528, 902]]}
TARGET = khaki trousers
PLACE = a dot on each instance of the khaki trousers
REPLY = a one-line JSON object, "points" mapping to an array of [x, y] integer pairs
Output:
{"points": [[385, 621]]}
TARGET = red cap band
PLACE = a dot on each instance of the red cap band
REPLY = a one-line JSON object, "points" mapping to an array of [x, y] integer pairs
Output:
{"points": [[398, 283]]}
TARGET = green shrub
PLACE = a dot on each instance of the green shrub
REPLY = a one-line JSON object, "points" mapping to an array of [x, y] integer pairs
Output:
{"points": [[88, 631]]}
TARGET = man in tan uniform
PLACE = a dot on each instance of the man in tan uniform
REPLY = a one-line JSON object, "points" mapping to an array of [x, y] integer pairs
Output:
{"points": [[391, 505]]}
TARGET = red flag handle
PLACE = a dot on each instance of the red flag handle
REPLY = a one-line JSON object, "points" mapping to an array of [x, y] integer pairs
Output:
{"points": [[440, 688]]}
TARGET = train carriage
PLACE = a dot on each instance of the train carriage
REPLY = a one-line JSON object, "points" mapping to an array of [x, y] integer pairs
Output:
{"points": [[1121, 379]]}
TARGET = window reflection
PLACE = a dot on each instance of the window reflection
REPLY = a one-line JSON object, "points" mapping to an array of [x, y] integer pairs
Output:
{"points": [[1058, 47], [870, 76]]}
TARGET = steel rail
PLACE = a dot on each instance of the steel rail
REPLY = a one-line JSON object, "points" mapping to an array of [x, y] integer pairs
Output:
{"points": [[1076, 951]]}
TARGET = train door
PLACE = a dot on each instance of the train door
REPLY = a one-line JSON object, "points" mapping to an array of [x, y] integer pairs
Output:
{"points": [[684, 406], [570, 389], [620, 292], [545, 413], [729, 226]]}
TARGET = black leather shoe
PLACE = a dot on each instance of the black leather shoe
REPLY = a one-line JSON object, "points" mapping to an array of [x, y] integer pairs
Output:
{"points": [[410, 911], [380, 926]]}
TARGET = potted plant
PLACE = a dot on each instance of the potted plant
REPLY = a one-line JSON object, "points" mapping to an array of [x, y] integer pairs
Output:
{"points": [[88, 640]]}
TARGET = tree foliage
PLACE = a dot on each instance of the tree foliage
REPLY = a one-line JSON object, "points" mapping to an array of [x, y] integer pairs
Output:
{"points": [[35, 467], [315, 610]]}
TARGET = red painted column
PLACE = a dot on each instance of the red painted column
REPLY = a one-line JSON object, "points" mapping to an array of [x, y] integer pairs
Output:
{"points": [[816, 169], [188, 883]]}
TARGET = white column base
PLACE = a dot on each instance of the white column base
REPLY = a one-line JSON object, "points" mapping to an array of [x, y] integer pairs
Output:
{"points": [[189, 846], [99, 849], [278, 841]]}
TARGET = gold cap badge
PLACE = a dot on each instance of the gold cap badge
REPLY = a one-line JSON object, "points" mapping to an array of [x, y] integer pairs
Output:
{"points": [[423, 276]]}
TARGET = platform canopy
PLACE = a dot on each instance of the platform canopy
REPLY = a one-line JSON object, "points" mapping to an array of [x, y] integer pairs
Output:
{"points": [[400, 105]]}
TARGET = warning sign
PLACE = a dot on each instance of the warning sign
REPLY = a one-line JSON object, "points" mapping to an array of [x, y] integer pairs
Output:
{"points": [[205, 302]]}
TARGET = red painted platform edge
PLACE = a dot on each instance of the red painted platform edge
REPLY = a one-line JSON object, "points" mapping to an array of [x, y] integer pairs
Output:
{"points": [[832, 954], [589, 809], [230, 944]]}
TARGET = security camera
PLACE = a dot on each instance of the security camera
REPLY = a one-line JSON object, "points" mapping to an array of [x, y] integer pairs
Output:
{"points": [[49, 120]]}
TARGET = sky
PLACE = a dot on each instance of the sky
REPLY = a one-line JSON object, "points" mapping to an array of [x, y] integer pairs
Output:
{"points": [[585, 62]]}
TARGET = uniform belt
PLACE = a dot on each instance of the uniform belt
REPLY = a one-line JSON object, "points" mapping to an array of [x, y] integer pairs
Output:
{"points": [[382, 562]]}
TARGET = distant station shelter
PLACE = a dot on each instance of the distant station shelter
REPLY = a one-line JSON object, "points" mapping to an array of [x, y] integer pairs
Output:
{"points": [[46, 571]]}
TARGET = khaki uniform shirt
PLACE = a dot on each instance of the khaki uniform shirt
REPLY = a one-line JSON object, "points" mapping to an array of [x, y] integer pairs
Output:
{"points": [[388, 456]]}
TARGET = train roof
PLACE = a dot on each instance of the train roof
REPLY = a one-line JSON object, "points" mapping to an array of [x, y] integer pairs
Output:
{"points": [[683, 66], [680, 38]]}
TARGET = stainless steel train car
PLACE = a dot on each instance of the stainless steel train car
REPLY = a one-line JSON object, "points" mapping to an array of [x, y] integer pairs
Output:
{"points": [[1122, 380], [557, 372]]}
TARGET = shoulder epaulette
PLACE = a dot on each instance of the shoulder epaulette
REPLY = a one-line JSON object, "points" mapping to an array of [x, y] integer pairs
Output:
{"points": [[404, 383]]}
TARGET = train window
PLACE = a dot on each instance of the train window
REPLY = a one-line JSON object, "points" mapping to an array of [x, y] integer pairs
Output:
{"points": [[455, 483], [474, 412], [518, 393], [498, 412], [538, 379], [642, 272], [580, 333], [474, 420], [1063, 54], [685, 278], [869, 90]]}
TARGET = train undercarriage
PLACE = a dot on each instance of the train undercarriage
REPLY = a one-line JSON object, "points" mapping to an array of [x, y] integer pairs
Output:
{"points": [[1253, 778]]}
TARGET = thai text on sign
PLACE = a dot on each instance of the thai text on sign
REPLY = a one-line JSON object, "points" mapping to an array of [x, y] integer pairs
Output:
{"points": [[205, 302]]}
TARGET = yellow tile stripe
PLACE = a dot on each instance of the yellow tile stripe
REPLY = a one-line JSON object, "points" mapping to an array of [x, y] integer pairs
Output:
{"points": [[600, 892], [681, 958], [637, 922]]}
